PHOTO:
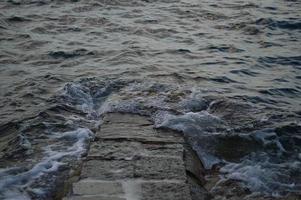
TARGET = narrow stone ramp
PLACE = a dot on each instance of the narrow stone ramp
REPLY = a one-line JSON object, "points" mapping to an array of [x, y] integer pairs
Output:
{"points": [[130, 160]]}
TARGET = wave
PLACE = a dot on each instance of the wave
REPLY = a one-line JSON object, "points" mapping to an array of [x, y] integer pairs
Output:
{"points": [[235, 137]]}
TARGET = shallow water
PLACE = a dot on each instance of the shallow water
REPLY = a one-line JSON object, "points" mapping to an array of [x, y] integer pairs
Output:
{"points": [[225, 73]]}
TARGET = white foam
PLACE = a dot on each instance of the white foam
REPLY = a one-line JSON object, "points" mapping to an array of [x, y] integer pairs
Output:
{"points": [[185, 113], [199, 121], [261, 175], [79, 96], [268, 137], [12, 186]]}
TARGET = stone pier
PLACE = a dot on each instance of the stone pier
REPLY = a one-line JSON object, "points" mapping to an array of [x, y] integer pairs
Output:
{"points": [[130, 160]]}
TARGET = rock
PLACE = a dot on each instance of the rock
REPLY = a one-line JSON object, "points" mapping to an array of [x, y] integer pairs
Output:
{"points": [[94, 197], [165, 190], [107, 169], [130, 160], [138, 133], [94, 187], [154, 149], [196, 190], [193, 165], [129, 150], [108, 150], [160, 168], [127, 119], [195, 174]]}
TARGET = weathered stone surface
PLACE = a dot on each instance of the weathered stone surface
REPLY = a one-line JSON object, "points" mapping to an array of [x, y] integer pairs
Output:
{"points": [[193, 165], [196, 190], [94, 187], [165, 191], [160, 168], [129, 150], [126, 118], [130, 160], [123, 150], [195, 174], [108, 169], [134, 127], [93, 197], [142, 133], [154, 149], [141, 138], [110, 128], [145, 167]]}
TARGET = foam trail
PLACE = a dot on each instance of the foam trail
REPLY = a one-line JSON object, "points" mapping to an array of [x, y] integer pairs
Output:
{"points": [[13, 186]]}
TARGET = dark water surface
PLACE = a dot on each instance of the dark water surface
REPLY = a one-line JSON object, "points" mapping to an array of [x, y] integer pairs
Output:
{"points": [[225, 73]]}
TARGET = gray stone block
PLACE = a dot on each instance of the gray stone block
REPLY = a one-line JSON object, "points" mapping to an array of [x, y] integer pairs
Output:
{"points": [[127, 119], [118, 150], [168, 150], [128, 150], [131, 160], [107, 169], [143, 134], [160, 168], [94, 187], [93, 197], [165, 191]]}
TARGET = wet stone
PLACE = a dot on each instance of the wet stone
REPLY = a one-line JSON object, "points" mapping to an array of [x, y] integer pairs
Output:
{"points": [[94, 187], [160, 168], [107, 169], [94, 197], [127, 119], [129, 132], [174, 150], [130, 160], [128, 150], [164, 190], [123, 150], [134, 127], [197, 192], [193, 165]]}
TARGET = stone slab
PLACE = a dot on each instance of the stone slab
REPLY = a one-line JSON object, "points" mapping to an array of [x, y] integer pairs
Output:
{"points": [[115, 150], [94, 187], [130, 137], [165, 191], [160, 168], [107, 169], [143, 134], [134, 127], [129, 150], [130, 160], [126, 118], [167, 150], [144, 167]]}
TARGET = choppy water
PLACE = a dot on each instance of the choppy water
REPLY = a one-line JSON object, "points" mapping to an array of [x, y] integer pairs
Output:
{"points": [[225, 73]]}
